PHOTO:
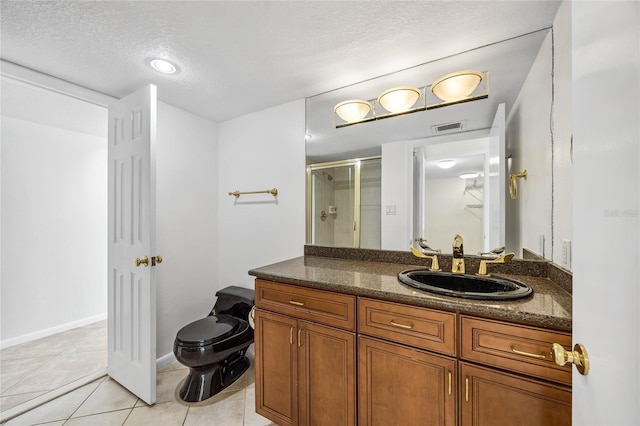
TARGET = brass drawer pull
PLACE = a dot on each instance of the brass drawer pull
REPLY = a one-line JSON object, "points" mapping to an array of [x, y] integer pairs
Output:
{"points": [[530, 355], [293, 302], [405, 326], [466, 389]]}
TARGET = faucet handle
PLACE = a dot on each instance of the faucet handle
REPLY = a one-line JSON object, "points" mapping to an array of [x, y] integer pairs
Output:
{"points": [[423, 244], [482, 271], [493, 253], [435, 266]]}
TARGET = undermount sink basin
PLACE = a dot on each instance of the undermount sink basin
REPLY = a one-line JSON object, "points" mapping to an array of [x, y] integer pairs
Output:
{"points": [[465, 286]]}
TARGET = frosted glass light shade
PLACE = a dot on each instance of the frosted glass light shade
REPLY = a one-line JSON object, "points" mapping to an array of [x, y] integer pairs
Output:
{"points": [[457, 85], [446, 164], [353, 110], [399, 99], [469, 175]]}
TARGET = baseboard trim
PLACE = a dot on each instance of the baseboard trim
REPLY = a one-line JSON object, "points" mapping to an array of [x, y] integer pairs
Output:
{"points": [[50, 331], [49, 396], [165, 361]]}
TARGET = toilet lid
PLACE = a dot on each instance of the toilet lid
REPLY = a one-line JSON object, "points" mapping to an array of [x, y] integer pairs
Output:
{"points": [[207, 330]]}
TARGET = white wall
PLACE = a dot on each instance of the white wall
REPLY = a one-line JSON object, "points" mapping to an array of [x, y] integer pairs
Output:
{"points": [[562, 134], [606, 200], [539, 130], [186, 221], [528, 141], [259, 151], [446, 214], [54, 212], [397, 192]]}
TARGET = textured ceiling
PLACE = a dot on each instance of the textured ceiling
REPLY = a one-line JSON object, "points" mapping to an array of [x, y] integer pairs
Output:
{"points": [[238, 57]]}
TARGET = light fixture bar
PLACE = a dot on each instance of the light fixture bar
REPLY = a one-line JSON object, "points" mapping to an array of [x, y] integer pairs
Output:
{"points": [[427, 99], [376, 117]]}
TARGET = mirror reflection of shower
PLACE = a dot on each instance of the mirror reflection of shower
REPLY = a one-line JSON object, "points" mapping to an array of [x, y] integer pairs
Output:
{"points": [[343, 199]]}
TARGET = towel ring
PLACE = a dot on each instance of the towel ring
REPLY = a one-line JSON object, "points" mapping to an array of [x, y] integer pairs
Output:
{"points": [[513, 183]]}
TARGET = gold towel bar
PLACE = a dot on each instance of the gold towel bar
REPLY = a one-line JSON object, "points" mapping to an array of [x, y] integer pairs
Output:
{"points": [[273, 192]]}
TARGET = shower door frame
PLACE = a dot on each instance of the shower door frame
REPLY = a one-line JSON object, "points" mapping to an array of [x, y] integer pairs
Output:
{"points": [[356, 194]]}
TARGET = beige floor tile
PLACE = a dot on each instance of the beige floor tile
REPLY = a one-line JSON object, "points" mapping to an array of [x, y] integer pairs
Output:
{"points": [[58, 409], [173, 367], [224, 409], [109, 396], [7, 402], [165, 414], [59, 371], [168, 385], [14, 370], [112, 418]]}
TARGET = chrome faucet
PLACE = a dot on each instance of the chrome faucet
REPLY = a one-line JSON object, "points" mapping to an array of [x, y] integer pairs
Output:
{"points": [[457, 264]]}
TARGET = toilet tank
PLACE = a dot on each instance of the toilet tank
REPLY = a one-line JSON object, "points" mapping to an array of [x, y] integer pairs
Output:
{"points": [[235, 301]]}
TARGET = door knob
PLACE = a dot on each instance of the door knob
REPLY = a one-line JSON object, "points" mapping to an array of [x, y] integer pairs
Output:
{"points": [[156, 259], [144, 261], [578, 357]]}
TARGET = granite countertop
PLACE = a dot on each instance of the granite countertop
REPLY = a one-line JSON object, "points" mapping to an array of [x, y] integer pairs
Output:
{"points": [[549, 306]]}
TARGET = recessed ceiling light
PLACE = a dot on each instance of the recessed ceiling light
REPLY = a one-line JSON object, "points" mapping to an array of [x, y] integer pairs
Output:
{"points": [[469, 175], [446, 164], [163, 66]]}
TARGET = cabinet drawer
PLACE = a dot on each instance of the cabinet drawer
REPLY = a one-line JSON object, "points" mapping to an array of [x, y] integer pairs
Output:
{"points": [[410, 325], [338, 310], [519, 348]]}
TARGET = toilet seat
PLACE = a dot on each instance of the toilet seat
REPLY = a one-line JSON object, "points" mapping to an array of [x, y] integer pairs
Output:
{"points": [[209, 330]]}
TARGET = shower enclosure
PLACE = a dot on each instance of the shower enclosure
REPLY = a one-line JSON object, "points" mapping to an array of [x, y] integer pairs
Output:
{"points": [[343, 203]]}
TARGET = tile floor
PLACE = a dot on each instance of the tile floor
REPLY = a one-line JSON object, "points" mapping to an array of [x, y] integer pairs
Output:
{"points": [[105, 402], [34, 368]]}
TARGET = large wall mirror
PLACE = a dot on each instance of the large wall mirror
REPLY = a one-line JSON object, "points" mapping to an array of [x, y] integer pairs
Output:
{"points": [[418, 199]]}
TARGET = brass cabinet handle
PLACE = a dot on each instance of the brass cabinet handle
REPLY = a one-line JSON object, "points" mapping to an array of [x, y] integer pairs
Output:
{"points": [[449, 382], [529, 354], [578, 356], [144, 261], [299, 331], [293, 302], [291, 336], [466, 389], [397, 324]]}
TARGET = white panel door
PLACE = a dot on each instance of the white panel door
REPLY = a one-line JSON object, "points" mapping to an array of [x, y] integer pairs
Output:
{"points": [[606, 203], [495, 191], [131, 288]]}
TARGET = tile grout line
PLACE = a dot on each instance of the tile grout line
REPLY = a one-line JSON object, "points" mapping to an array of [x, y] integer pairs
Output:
{"points": [[9, 414]]}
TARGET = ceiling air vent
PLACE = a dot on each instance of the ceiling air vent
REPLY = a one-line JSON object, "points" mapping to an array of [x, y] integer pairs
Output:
{"points": [[441, 129]]}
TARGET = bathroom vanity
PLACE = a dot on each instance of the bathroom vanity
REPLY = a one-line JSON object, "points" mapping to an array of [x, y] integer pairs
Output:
{"points": [[339, 340]]}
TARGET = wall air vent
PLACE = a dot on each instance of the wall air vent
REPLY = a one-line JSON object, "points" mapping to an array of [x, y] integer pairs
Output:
{"points": [[441, 129]]}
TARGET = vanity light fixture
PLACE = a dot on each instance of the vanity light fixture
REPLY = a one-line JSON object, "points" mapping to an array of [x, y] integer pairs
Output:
{"points": [[446, 164], [399, 99], [352, 111], [163, 66], [469, 175], [456, 86]]}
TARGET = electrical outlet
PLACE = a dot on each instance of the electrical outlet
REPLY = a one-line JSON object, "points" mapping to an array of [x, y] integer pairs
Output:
{"points": [[566, 253], [391, 209]]}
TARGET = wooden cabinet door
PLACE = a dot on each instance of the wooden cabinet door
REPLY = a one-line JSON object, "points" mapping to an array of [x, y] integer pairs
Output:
{"points": [[399, 385], [327, 375], [491, 398], [276, 372]]}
